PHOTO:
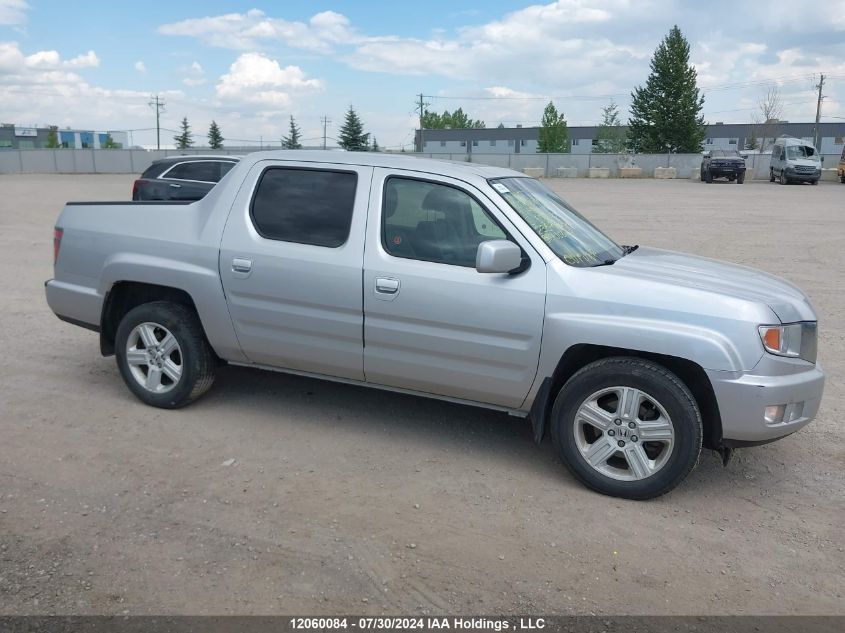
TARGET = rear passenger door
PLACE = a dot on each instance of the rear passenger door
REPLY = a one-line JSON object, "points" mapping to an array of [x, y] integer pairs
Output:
{"points": [[290, 262], [432, 322]]}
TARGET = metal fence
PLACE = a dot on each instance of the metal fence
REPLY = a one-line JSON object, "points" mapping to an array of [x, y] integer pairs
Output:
{"points": [[119, 161]]}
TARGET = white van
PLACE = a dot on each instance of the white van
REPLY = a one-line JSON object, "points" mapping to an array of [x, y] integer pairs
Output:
{"points": [[794, 160]]}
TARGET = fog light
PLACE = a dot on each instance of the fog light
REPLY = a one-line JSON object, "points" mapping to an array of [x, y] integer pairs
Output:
{"points": [[774, 413]]}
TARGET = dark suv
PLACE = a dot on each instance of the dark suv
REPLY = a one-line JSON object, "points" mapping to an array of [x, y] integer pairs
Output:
{"points": [[182, 177], [723, 163]]}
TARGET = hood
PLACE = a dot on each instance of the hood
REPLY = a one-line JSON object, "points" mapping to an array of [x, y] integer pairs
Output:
{"points": [[676, 269], [804, 162]]}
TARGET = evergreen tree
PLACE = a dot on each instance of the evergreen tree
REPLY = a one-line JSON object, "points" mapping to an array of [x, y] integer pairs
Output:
{"points": [[185, 139], [215, 137], [552, 137], [666, 112], [352, 135], [53, 138], [457, 120], [610, 138], [751, 143], [291, 141]]}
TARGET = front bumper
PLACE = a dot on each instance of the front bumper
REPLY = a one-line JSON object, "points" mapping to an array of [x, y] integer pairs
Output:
{"points": [[744, 396], [803, 176]]}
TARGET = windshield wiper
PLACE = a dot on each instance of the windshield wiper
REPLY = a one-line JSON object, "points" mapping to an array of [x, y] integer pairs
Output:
{"points": [[607, 262], [626, 250]]}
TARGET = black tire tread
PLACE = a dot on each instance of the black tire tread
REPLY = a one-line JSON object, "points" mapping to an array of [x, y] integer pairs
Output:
{"points": [[202, 356], [640, 364]]}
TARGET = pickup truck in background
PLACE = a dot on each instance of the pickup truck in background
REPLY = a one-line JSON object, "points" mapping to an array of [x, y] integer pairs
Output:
{"points": [[456, 281]]}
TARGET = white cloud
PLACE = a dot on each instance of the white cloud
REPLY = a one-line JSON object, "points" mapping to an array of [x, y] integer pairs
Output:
{"points": [[140, 67], [194, 74], [13, 12], [247, 31], [256, 79]]}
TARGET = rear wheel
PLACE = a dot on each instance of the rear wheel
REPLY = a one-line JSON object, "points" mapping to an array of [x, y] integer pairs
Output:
{"points": [[627, 427], [163, 355]]}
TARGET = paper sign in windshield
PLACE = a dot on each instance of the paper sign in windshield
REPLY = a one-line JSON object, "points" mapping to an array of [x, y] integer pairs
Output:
{"points": [[500, 187]]}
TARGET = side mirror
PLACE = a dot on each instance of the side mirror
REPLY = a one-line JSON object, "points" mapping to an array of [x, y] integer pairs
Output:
{"points": [[497, 256]]}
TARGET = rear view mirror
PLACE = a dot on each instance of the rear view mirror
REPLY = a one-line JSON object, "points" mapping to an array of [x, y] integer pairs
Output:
{"points": [[497, 256]]}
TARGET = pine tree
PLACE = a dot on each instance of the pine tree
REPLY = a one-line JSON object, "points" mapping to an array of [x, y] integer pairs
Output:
{"points": [[291, 141], [552, 137], [185, 139], [215, 137], [610, 137], [352, 135], [52, 138], [666, 112]]}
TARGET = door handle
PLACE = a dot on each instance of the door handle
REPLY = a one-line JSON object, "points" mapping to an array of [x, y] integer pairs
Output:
{"points": [[241, 265], [387, 285], [175, 186]]}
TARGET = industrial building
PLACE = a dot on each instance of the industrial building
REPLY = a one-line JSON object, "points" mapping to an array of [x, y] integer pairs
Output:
{"points": [[523, 140], [19, 137]]}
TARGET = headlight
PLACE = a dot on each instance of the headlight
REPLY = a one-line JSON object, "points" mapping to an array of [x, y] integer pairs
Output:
{"points": [[796, 340]]}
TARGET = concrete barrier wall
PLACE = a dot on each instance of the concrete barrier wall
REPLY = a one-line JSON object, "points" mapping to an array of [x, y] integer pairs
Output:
{"points": [[120, 161]]}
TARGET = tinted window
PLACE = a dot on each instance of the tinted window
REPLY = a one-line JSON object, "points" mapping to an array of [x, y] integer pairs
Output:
{"points": [[307, 206], [204, 171], [435, 223], [225, 168]]}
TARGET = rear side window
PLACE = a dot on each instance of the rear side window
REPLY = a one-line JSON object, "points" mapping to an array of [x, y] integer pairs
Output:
{"points": [[306, 206], [203, 171]]}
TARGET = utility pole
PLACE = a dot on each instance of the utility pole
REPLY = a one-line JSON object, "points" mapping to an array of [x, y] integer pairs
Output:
{"points": [[325, 121], [421, 107], [818, 114], [158, 104]]}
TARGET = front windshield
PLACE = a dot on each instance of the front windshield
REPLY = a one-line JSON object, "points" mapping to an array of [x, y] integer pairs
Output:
{"points": [[794, 152], [569, 234]]}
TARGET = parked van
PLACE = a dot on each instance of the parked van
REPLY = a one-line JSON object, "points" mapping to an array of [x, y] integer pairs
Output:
{"points": [[794, 160], [840, 171]]}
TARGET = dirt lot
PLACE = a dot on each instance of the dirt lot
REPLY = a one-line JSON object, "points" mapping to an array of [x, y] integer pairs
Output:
{"points": [[343, 499]]}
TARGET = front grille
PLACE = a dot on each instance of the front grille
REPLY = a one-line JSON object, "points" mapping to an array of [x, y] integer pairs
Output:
{"points": [[803, 169]]}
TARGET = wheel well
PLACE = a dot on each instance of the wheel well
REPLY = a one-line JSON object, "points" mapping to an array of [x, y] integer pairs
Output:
{"points": [[126, 295], [689, 372]]}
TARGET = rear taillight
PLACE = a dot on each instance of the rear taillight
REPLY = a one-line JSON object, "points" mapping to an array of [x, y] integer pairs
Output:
{"points": [[135, 186], [57, 243]]}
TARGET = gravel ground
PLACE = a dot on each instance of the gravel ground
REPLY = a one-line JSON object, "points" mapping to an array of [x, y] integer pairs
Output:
{"points": [[279, 494]]}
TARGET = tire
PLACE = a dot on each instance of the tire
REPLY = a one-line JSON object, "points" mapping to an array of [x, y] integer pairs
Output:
{"points": [[771, 175], [814, 182], [182, 372], [740, 179], [783, 179], [663, 400], [701, 176], [708, 176], [842, 177]]}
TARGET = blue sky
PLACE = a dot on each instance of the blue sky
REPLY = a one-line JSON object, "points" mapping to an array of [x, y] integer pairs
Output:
{"points": [[251, 65]]}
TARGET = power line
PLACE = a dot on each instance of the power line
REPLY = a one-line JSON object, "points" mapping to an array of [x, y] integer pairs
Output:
{"points": [[325, 120]]}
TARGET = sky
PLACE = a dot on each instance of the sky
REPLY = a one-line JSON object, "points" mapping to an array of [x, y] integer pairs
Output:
{"points": [[252, 65]]}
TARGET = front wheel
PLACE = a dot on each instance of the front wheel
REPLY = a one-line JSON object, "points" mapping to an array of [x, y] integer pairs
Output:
{"points": [[740, 178], [163, 355], [783, 179], [842, 177], [708, 175], [627, 427], [771, 175]]}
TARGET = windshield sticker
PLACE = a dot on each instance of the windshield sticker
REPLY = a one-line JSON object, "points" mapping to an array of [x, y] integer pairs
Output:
{"points": [[500, 187]]}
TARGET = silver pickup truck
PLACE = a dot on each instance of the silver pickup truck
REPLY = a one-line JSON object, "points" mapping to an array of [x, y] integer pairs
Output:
{"points": [[456, 281]]}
